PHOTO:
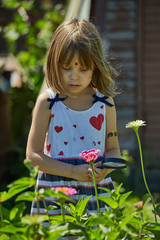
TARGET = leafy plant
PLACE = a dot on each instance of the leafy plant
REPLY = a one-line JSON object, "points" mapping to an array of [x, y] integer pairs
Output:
{"points": [[28, 36], [119, 220], [135, 126]]}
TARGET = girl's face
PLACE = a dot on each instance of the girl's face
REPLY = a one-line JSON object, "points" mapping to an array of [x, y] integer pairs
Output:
{"points": [[75, 77]]}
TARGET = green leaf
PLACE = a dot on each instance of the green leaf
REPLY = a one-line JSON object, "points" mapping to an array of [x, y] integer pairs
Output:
{"points": [[152, 227], [81, 205], [5, 212], [126, 220], [106, 190], [146, 198], [17, 212], [10, 3], [57, 230], [4, 196], [70, 208], [157, 209], [23, 181], [123, 197], [59, 219], [18, 237], [4, 237], [26, 196], [27, 163], [12, 229], [109, 201], [53, 193], [35, 219], [118, 189], [96, 220], [78, 229]]}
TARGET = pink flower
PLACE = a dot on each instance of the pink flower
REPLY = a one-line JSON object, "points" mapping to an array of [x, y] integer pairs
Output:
{"points": [[69, 191], [90, 156], [139, 205]]}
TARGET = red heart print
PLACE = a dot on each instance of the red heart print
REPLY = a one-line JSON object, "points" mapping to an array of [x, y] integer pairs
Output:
{"points": [[65, 143], [58, 129], [96, 122], [74, 126], [99, 142], [60, 153], [101, 106], [48, 147], [51, 116], [82, 138]]}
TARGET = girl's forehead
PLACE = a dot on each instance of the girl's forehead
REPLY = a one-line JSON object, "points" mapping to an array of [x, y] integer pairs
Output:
{"points": [[76, 58]]}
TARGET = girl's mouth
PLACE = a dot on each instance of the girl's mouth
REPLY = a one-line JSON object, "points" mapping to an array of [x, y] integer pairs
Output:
{"points": [[74, 85]]}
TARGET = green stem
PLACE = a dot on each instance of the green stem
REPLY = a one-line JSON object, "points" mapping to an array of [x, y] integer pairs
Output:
{"points": [[95, 186], [46, 210], [1, 215], [37, 202], [143, 173], [62, 210]]}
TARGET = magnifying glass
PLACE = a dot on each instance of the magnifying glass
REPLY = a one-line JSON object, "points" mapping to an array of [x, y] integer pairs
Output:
{"points": [[113, 163]]}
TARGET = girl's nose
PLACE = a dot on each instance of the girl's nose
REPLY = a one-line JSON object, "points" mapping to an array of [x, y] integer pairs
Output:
{"points": [[74, 74]]}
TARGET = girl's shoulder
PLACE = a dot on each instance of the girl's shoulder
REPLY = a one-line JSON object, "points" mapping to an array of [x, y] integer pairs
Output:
{"points": [[43, 97], [109, 99], [42, 100], [51, 93]]}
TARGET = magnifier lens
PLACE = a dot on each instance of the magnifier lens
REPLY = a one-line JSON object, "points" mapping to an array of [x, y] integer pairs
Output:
{"points": [[114, 163]]}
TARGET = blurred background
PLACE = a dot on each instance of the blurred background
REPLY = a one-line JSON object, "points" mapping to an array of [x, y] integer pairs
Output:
{"points": [[130, 31]]}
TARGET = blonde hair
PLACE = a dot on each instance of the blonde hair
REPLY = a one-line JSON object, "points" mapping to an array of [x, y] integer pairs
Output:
{"points": [[82, 37]]}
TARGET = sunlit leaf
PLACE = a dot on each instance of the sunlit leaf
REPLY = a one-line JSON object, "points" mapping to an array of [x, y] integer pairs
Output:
{"points": [[81, 205], [126, 220], [123, 197], [23, 181], [35, 219], [17, 212], [109, 201], [5, 212], [26, 196], [11, 229], [4, 196], [4, 237]]}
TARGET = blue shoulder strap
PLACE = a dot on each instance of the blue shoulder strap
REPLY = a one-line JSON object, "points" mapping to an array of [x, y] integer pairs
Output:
{"points": [[102, 99], [53, 100]]}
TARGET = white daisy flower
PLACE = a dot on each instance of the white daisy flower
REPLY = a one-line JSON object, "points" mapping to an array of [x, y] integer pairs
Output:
{"points": [[135, 124]]}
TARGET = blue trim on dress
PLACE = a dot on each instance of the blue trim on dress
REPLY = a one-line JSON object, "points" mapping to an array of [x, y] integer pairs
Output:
{"points": [[102, 99], [53, 100], [96, 99]]}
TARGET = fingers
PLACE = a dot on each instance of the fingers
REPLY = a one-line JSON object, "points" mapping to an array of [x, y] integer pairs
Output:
{"points": [[98, 164], [99, 174]]}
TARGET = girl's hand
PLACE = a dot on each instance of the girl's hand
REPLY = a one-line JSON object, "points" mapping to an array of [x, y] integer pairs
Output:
{"points": [[100, 174], [80, 173]]}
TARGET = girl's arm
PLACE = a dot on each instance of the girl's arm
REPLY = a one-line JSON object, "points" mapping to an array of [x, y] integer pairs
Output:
{"points": [[35, 145], [111, 142]]}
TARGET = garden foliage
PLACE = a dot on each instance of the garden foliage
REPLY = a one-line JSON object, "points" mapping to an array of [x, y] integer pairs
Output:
{"points": [[117, 222]]}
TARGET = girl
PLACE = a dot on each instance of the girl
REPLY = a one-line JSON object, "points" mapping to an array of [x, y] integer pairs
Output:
{"points": [[75, 113]]}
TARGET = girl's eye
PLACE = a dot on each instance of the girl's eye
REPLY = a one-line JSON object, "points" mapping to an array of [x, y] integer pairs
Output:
{"points": [[65, 67], [84, 69]]}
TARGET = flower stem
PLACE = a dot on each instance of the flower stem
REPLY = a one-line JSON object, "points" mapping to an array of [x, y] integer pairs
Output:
{"points": [[62, 210], [1, 215], [37, 202], [95, 186], [143, 173], [46, 211]]}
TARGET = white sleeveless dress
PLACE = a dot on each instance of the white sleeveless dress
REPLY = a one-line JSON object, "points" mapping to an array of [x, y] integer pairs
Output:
{"points": [[70, 132]]}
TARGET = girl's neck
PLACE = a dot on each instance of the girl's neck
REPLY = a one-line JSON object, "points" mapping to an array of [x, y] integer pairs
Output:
{"points": [[81, 102]]}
